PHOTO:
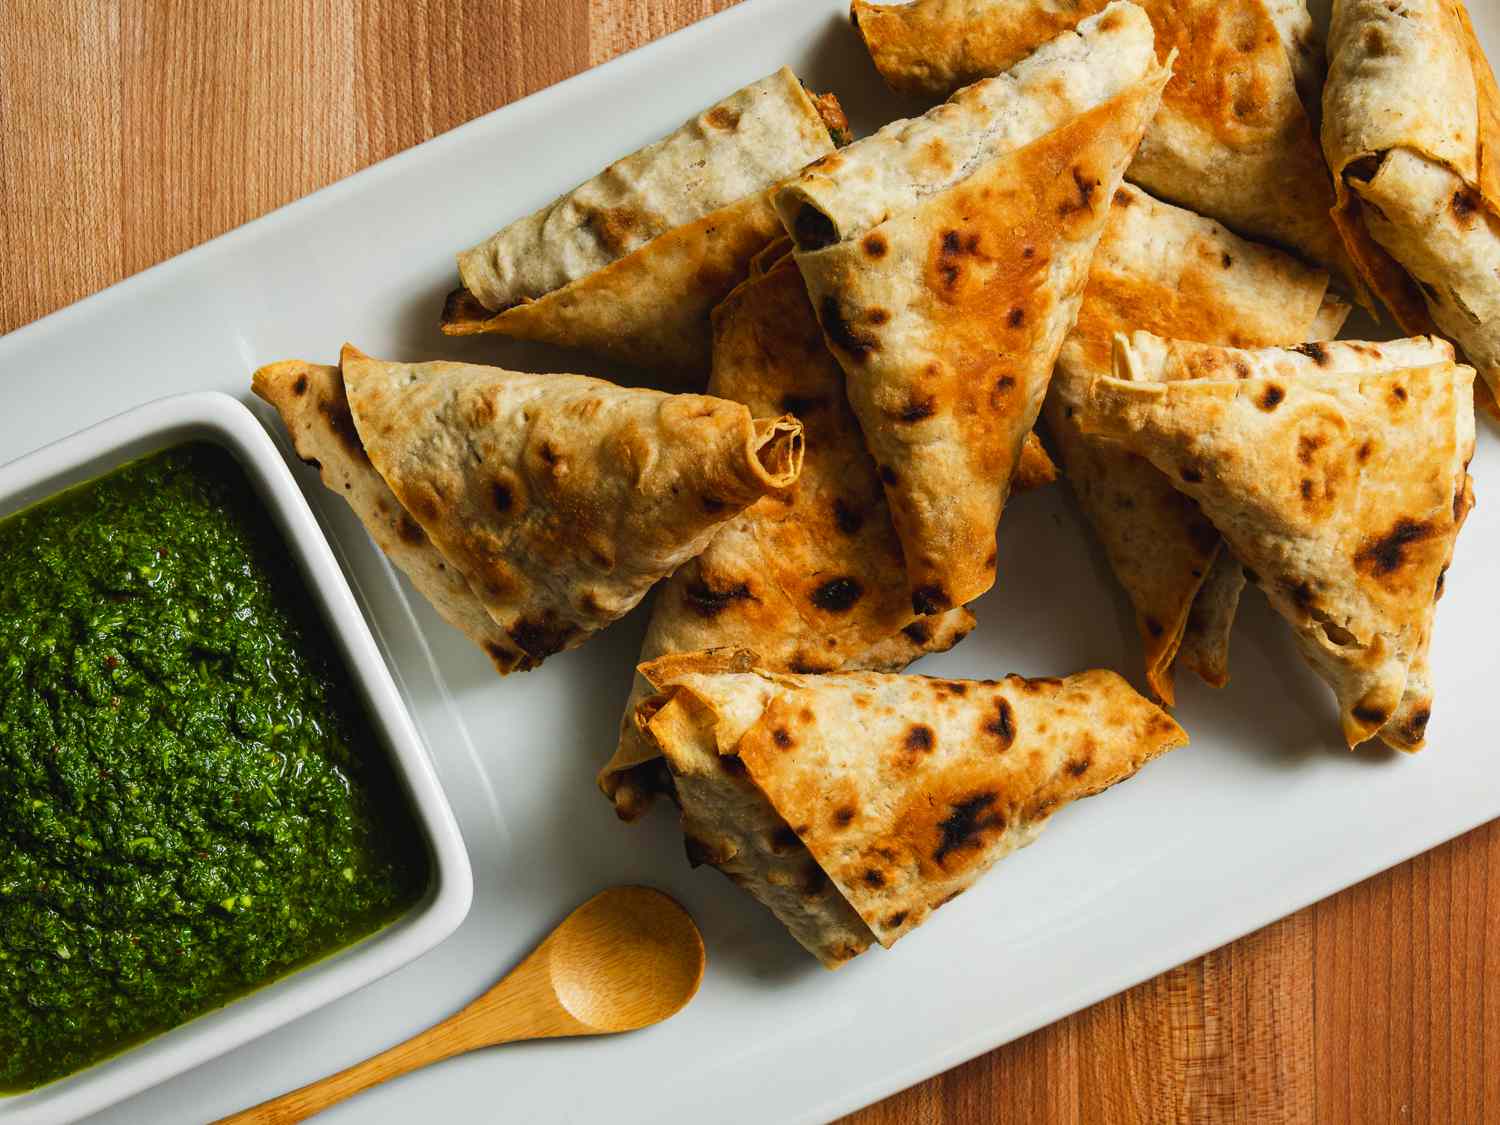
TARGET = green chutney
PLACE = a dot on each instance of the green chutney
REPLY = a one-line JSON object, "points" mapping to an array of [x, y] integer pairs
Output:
{"points": [[191, 800]]}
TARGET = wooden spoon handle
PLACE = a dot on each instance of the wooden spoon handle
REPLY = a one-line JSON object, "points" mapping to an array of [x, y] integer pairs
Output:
{"points": [[425, 1047], [522, 1006]]}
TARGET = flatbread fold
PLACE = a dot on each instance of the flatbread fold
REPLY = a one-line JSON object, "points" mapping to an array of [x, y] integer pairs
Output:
{"points": [[1234, 138], [1411, 130], [945, 256], [560, 499], [1205, 633], [811, 580], [1170, 271], [895, 792], [629, 263], [311, 401], [726, 820], [1337, 473]]}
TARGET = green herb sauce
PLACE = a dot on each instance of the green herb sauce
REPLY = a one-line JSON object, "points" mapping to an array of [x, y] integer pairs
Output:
{"points": [[191, 802]]}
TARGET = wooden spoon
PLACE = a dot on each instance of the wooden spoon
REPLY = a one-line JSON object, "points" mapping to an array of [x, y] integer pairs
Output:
{"points": [[628, 958]]}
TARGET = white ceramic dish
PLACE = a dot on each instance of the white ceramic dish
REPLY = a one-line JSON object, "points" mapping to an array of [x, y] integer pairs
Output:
{"points": [[1262, 815], [209, 416]]}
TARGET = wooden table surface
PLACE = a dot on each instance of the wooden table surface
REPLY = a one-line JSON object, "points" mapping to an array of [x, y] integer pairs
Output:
{"points": [[132, 130]]}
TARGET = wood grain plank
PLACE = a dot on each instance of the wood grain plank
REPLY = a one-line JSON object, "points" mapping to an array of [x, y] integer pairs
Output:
{"points": [[264, 92], [1483, 955], [1406, 990], [1144, 1036], [133, 129], [1037, 1078], [616, 27], [427, 67], [60, 141], [1227, 1038], [1259, 1014]]}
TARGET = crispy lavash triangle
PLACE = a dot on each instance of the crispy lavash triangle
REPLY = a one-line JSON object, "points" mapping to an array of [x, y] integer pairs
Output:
{"points": [[1154, 358], [649, 308], [629, 263], [1411, 131], [900, 791], [1233, 139], [1167, 270], [561, 499], [812, 580], [945, 257], [310, 399], [1341, 491]]}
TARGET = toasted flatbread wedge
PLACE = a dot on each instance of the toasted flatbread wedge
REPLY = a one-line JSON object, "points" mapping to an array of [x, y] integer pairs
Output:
{"points": [[945, 256], [886, 795], [812, 580], [310, 399], [1340, 490], [1153, 358], [1412, 133], [1167, 270], [1232, 140], [561, 499], [629, 264]]}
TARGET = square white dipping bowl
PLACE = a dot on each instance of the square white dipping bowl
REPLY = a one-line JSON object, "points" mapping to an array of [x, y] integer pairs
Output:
{"points": [[219, 419]]}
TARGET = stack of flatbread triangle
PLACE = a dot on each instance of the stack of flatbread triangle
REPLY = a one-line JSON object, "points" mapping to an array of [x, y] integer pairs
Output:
{"points": [[1338, 475], [531, 510], [854, 804], [1119, 221]]}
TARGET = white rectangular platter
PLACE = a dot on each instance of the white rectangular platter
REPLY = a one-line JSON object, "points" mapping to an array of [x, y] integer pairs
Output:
{"points": [[1263, 814]]}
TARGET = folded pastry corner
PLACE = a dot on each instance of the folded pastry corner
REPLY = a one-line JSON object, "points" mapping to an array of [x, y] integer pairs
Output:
{"points": [[630, 263], [945, 255], [1337, 473], [1411, 124], [855, 804]]}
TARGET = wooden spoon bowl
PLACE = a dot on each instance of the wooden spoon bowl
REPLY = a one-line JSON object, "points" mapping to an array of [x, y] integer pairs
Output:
{"points": [[628, 958]]}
